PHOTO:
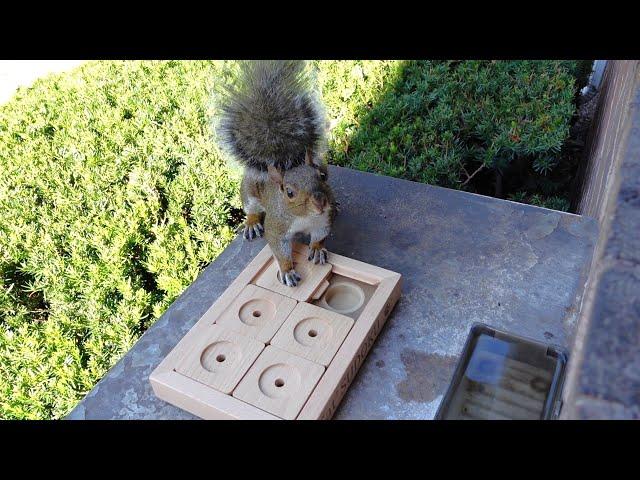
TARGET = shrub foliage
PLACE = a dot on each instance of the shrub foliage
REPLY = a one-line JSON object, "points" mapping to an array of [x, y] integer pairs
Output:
{"points": [[439, 121]]}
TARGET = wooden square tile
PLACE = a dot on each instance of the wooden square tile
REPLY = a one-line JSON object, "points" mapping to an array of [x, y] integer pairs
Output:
{"points": [[313, 277], [219, 358], [313, 333], [257, 313], [279, 382]]}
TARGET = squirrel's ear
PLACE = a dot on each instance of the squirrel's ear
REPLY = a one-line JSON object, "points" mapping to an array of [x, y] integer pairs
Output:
{"points": [[275, 175]]}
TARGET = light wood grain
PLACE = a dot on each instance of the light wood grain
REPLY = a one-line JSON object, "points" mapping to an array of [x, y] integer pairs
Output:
{"points": [[257, 313], [220, 358], [320, 290], [327, 395], [313, 333], [201, 400], [352, 268], [279, 382], [313, 275]]}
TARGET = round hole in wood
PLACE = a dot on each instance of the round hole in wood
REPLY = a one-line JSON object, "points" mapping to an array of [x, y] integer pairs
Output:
{"points": [[280, 380], [220, 355], [257, 311], [313, 332], [343, 297]]}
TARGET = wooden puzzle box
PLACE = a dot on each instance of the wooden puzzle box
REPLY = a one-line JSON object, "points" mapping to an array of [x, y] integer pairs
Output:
{"points": [[267, 351]]}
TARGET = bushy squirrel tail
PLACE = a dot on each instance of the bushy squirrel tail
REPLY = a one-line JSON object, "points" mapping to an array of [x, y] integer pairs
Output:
{"points": [[271, 115]]}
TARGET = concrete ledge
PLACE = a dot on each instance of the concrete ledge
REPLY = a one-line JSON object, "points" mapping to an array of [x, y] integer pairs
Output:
{"points": [[464, 258]]}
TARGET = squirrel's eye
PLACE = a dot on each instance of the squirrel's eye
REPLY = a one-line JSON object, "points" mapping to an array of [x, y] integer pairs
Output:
{"points": [[289, 193], [323, 176]]}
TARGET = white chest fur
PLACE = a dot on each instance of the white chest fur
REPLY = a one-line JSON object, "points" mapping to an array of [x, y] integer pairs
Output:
{"points": [[317, 226]]}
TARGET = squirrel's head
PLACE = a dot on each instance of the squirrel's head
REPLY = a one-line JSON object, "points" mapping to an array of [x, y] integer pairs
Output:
{"points": [[304, 188]]}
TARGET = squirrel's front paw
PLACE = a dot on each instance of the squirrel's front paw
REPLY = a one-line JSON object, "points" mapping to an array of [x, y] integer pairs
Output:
{"points": [[290, 278], [317, 253], [252, 227]]}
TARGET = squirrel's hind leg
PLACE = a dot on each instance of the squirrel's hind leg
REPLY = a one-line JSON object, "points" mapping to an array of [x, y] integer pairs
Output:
{"points": [[253, 226]]}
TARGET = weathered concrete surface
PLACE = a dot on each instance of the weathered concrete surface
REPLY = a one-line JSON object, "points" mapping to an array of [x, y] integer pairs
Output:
{"points": [[604, 374], [464, 258]]}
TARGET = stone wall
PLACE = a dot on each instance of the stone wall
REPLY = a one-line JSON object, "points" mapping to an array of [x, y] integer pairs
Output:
{"points": [[604, 371], [604, 145]]}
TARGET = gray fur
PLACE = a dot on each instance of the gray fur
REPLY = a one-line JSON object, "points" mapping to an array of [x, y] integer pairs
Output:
{"points": [[271, 115]]}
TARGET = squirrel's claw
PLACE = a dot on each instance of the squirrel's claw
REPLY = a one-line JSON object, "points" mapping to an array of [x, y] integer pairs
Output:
{"points": [[253, 231], [290, 278], [317, 255], [258, 229]]}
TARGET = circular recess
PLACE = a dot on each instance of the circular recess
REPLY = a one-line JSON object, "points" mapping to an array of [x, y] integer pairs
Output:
{"points": [[312, 331], [343, 297], [222, 354], [280, 380], [257, 311]]}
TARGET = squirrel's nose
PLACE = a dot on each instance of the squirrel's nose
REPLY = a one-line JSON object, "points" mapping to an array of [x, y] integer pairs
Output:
{"points": [[319, 200]]}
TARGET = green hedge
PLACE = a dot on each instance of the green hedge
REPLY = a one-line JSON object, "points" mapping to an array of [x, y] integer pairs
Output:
{"points": [[439, 121], [113, 196]]}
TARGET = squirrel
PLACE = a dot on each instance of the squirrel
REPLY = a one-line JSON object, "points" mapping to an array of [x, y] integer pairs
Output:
{"points": [[272, 122]]}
